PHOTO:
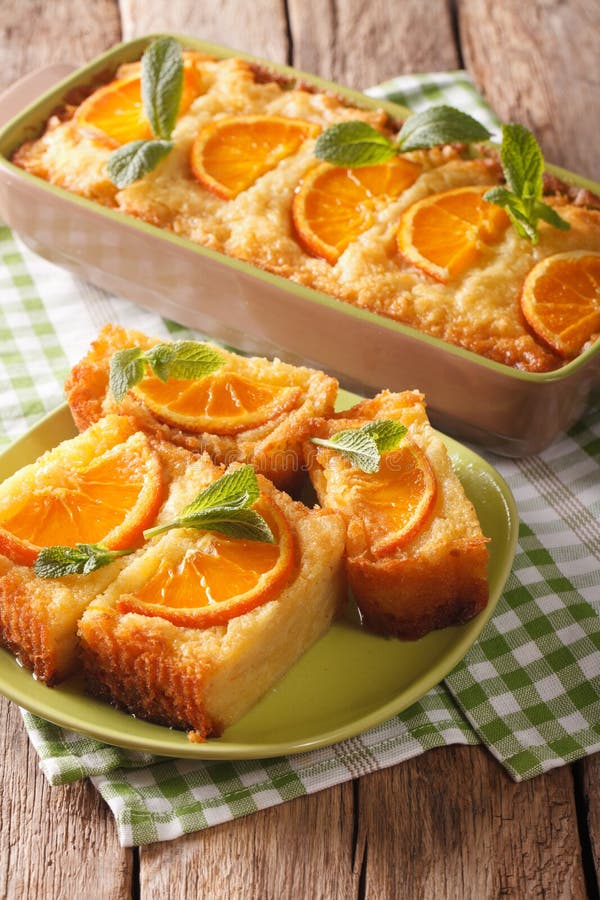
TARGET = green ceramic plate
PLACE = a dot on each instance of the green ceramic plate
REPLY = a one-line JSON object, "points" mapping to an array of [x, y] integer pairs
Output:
{"points": [[348, 682]]}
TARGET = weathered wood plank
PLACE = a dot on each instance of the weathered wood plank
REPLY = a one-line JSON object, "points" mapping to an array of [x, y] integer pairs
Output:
{"points": [[537, 63], [303, 848], [590, 781], [258, 27], [452, 824], [54, 842], [359, 44], [33, 34]]}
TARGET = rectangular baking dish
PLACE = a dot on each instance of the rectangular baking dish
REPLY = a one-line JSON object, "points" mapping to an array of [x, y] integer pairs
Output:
{"points": [[510, 412]]}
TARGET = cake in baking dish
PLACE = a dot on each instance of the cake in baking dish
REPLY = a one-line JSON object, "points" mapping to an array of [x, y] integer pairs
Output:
{"points": [[416, 558], [249, 410], [265, 214]]}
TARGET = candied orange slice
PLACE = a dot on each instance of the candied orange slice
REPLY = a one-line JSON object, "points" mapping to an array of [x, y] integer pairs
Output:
{"points": [[108, 500], [561, 300], [222, 403], [117, 111], [445, 234], [333, 206], [394, 503], [230, 154], [219, 578]]}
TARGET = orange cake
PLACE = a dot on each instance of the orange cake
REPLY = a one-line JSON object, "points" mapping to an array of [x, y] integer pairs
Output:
{"points": [[104, 486], [198, 659], [248, 410], [416, 558], [411, 239]]}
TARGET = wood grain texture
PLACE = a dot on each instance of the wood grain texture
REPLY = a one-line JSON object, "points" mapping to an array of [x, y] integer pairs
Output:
{"points": [[452, 824], [33, 34], [359, 44], [54, 842], [258, 27], [537, 63], [589, 770], [302, 849]]}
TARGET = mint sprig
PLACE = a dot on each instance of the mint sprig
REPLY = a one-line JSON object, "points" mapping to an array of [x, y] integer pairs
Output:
{"points": [[162, 85], [523, 167], [161, 88], [56, 561], [224, 506], [363, 446], [132, 161], [355, 144], [189, 360]]}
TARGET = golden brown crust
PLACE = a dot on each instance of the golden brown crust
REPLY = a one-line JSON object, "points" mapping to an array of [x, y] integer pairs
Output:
{"points": [[408, 598], [274, 448], [133, 665], [439, 576]]}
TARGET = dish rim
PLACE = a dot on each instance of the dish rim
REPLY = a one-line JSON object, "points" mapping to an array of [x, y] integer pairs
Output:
{"points": [[135, 46], [212, 749]]}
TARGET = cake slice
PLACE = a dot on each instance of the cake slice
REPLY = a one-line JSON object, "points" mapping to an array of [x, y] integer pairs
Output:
{"points": [[201, 625], [416, 558], [102, 487], [248, 410]]}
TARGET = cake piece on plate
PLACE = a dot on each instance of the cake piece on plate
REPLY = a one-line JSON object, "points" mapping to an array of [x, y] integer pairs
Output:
{"points": [[416, 557], [102, 487], [238, 409], [203, 623]]}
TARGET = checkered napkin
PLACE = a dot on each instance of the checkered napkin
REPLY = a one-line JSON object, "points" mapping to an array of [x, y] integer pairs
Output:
{"points": [[529, 689]]}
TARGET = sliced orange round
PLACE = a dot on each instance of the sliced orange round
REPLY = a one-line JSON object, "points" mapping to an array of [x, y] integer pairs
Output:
{"points": [[219, 578], [230, 154], [333, 206], [561, 300], [116, 109], [225, 402], [394, 503], [109, 500], [444, 234]]}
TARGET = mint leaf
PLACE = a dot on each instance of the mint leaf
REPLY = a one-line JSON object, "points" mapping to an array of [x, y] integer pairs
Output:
{"points": [[356, 144], [386, 433], [439, 125], [126, 368], [134, 160], [188, 360], [54, 562], [549, 215], [234, 522], [501, 196], [224, 506], [236, 489], [363, 446], [353, 144], [522, 161], [183, 359], [523, 167], [162, 85]]}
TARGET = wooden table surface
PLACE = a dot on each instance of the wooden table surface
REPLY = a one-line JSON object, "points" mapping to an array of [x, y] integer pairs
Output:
{"points": [[449, 823]]}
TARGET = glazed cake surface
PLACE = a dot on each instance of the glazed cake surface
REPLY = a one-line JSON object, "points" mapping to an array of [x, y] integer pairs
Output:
{"points": [[273, 447], [437, 577]]}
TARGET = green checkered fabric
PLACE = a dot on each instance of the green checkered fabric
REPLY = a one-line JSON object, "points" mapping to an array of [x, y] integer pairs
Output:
{"points": [[529, 689]]}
